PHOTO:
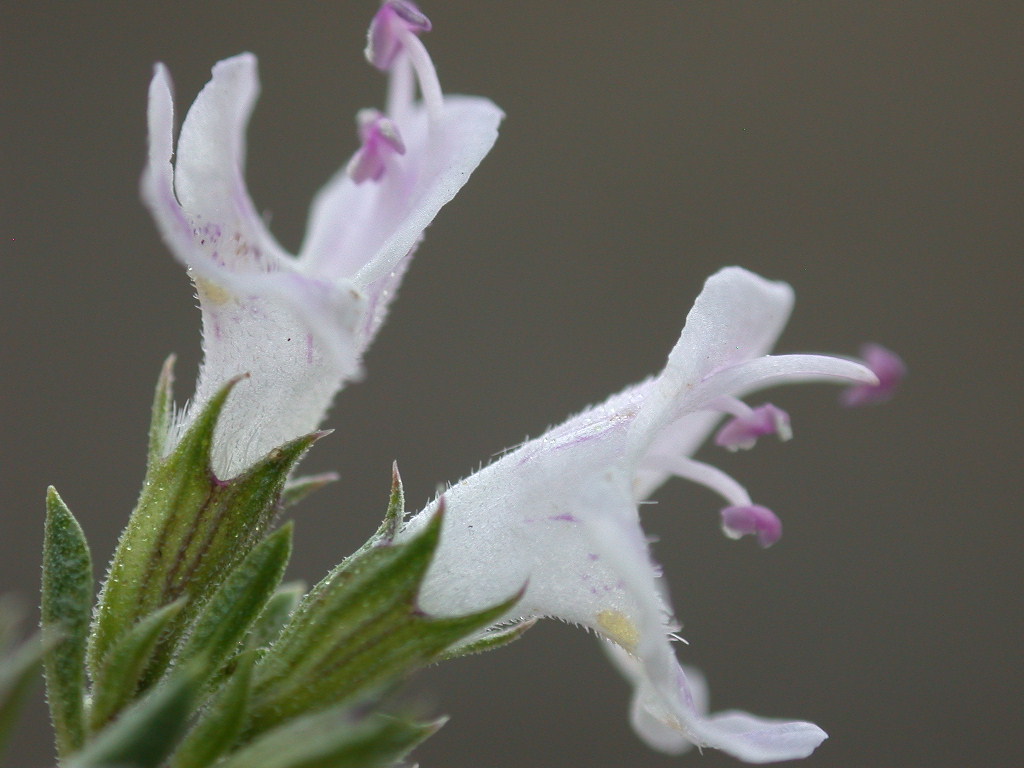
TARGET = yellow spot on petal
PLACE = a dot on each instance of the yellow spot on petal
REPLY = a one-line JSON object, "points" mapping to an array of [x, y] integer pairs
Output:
{"points": [[211, 292], [619, 628]]}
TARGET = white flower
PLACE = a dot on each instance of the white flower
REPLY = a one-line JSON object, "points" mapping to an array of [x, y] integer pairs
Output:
{"points": [[298, 325], [559, 514]]}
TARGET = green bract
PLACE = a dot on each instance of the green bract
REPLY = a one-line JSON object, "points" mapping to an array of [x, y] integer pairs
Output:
{"points": [[188, 531], [359, 630], [197, 654]]}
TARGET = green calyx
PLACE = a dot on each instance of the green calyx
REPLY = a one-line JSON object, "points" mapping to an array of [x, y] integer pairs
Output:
{"points": [[188, 532], [197, 654], [360, 629]]}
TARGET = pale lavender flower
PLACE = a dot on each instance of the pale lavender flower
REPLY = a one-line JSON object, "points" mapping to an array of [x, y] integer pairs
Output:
{"points": [[559, 514], [298, 325]]}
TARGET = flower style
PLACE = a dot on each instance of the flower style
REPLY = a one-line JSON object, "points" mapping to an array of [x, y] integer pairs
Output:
{"points": [[559, 514], [298, 325]]}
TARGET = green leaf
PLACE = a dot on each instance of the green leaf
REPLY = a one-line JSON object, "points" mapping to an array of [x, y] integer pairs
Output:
{"points": [[333, 739], [299, 488], [188, 531], [238, 602], [396, 508], [358, 631], [144, 735], [489, 640], [67, 594], [175, 494], [11, 615], [18, 669], [163, 414], [277, 611], [119, 679], [221, 722]]}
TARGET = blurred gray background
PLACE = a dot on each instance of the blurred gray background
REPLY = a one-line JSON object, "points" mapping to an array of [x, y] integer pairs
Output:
{"points": [[869, 153]]}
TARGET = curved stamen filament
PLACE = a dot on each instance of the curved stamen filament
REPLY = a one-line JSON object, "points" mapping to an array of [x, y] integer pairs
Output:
{"points": [[732, 406], [430, 86], [401, 88], [706, 475]]}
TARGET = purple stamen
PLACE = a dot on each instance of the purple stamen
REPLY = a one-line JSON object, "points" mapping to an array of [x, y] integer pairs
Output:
{"points": [[384, 40], [380, 139], [887, 366], [752, 519], [743, 431]]}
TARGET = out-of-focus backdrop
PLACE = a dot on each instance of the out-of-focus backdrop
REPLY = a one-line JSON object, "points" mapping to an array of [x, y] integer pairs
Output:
{"points": [[868, 153]]}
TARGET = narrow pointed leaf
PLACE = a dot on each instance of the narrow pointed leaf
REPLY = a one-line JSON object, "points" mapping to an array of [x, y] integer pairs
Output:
{"points": [[188, 531], [121, 676], [221, 722], [396, 647], [376, 582], [357, 632], [239, 601], [234, 521], [66, 608], [177, 492], [18, 670], [489, 640], [396, 507], [301, 487], [372, 581], [11, 615], [332, 739], [163, 411], [276, 614], [146, 733]]}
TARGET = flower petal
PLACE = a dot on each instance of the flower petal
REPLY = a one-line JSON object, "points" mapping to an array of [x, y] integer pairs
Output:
{"points": [[159, 172], [759, 739], [738, 316], [209, 172], [722, 351], [580, 554], [656, 733], [366, 231], [295, 336], [273, 327], [673, 715]]}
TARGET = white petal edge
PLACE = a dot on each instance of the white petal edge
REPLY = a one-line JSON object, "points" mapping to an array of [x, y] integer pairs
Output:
{"points": [[673, 711], [209, 170], [738, 316]]}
